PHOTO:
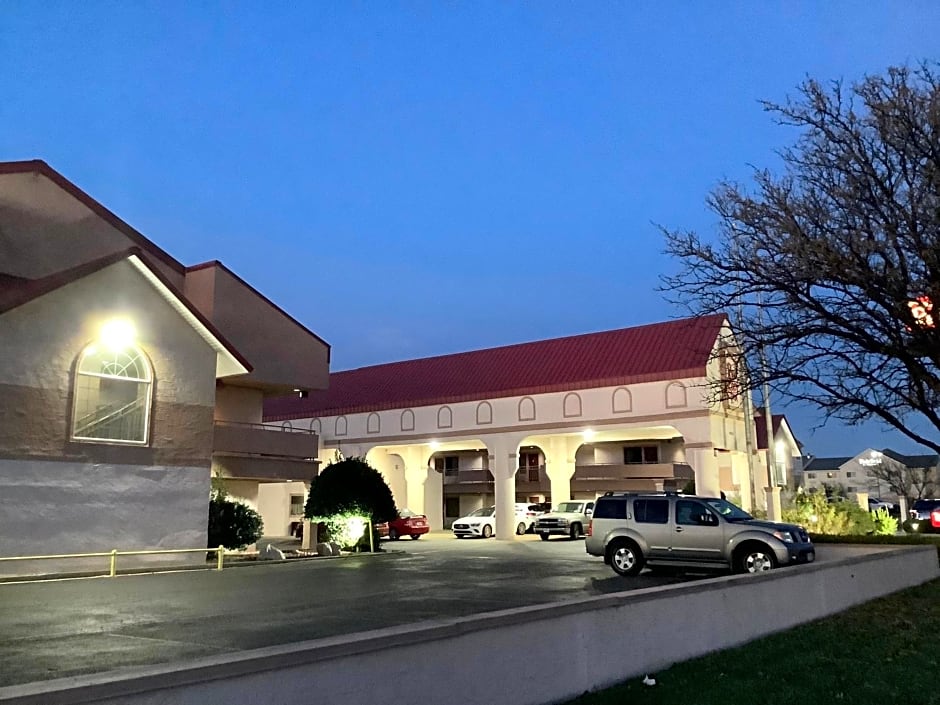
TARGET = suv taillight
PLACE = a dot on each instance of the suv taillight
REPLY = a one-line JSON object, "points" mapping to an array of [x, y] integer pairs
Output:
{"points": [[590, 530], [935, 518]]}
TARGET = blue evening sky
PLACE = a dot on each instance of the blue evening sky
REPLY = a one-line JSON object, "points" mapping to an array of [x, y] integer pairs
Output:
{"points": [[412, 179]]}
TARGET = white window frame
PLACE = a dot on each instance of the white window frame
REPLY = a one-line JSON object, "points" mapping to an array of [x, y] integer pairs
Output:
{"points": [[148, 403]]}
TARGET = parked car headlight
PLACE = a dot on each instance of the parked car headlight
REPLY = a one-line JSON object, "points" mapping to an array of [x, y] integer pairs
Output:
{"points": [[474, 523], [784, 536]]}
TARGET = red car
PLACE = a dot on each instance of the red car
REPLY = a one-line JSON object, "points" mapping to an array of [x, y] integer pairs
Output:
{"points": [[407, 524]]}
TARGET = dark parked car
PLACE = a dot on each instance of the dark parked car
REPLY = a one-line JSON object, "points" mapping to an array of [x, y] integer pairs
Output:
{"points": [[407, 524], [925, 517]]}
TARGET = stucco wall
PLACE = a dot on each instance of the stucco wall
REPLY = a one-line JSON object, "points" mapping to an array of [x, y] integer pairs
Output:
{"points": [[239, 404], [59, 507], [64, 496], [274, 505], [281, 352], [43, 339], [648, 407]]}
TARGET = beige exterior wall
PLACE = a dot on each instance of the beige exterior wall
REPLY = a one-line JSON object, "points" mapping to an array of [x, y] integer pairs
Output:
{"points": [[274, 506], [282, 353], [88, 495], [44, 229], [238, 404]]}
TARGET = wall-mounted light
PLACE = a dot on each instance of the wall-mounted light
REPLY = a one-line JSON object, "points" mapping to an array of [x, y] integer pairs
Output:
{"points": [[588, 435], [117, 334], [434, 445]]}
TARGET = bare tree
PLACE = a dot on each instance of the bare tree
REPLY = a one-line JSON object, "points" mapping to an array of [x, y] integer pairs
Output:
{"points": [[834, 265], [902, 479]]}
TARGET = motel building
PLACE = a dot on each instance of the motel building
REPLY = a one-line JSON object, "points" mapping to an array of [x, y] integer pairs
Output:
{"points": [[550, 421], [128, 380]]}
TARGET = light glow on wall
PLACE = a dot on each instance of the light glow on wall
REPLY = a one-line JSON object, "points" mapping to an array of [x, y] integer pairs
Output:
{"points": [[588, 435], [117, 334]]}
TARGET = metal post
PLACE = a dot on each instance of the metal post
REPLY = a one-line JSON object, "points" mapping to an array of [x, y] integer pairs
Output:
{"points": [[220, 552], [113, 562], [371, 546]]}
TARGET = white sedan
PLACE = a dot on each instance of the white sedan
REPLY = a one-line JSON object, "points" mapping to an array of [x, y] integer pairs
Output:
{"points": [[481, 522]]}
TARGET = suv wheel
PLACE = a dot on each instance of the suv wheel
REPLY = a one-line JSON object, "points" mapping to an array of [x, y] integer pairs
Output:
{"points": [[520, 530], [755, 558], [575, 531], [625, 557], [487, 531]]}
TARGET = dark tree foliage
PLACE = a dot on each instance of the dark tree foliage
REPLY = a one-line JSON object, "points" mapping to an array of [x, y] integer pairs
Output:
{"points": [[819, 265], [350, 485], [232, 524]]}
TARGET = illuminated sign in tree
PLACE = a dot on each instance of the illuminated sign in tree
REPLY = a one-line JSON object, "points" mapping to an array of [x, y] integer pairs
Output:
{"points": [[922, 311]]}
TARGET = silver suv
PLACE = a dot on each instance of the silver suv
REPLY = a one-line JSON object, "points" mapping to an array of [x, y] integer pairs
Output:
{"points": [[666, 530]]}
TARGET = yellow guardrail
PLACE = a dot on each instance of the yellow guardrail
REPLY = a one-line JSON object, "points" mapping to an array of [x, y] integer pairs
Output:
{"points": [[113, 554]]}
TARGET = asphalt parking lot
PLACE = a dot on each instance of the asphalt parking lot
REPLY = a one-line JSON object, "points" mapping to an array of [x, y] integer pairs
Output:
{"points": [[63, 628]]}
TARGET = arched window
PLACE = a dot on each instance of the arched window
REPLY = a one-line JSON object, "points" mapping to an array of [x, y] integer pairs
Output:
{"points": [[113, 391]]}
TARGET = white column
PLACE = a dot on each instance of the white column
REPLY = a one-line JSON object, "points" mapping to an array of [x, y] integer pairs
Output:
{"points": [[504, 459], [774, 512], [559, 466], [742, 476], [705, 465]]}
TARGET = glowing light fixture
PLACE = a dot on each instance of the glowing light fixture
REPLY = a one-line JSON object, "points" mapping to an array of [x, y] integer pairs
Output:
{"points": [[434, 445], [355, 526], [588, 435], [117, 334]]}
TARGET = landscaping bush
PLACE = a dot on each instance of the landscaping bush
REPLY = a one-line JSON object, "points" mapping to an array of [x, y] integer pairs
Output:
{"points": [[232, 524], [822, 517], [885, 524], [346, 489]]}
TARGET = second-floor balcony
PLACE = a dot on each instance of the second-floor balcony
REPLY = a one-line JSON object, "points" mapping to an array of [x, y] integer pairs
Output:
{"points": [[640, 477], [259, 439], [256, 451]]}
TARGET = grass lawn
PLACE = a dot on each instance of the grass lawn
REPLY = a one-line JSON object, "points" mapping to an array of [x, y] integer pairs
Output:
{"points": [[885, 651]]}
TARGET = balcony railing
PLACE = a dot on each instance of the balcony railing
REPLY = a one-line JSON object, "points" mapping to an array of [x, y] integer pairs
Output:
{"points": [[258, 439], [639, 477]]}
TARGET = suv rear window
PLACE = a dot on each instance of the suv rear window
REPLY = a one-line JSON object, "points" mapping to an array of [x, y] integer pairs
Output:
{"points": [[926, 504], [651, 511], [612, 508]]}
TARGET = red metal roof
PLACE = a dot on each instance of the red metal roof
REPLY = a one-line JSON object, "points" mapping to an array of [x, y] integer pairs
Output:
{"points": [[659, 351]]}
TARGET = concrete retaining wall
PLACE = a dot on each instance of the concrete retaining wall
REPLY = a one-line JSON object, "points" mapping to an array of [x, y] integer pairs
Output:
{"points": [[532, 655]]}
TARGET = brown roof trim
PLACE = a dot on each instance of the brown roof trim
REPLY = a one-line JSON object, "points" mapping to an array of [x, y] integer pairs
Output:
{"points": [[38, 166], [38, 287], [214, 263]]}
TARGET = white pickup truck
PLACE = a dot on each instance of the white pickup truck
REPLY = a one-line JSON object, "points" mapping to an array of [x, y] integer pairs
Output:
{"points": [[566, 519]]}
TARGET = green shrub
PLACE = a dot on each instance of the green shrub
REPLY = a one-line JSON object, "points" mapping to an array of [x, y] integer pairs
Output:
{"points": [[885, 524], [820, 516], [232, 524], [349, 488]]}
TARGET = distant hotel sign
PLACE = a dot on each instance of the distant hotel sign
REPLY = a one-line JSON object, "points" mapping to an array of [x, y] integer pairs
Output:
{"points": [[873, 459], [922, 311]]}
